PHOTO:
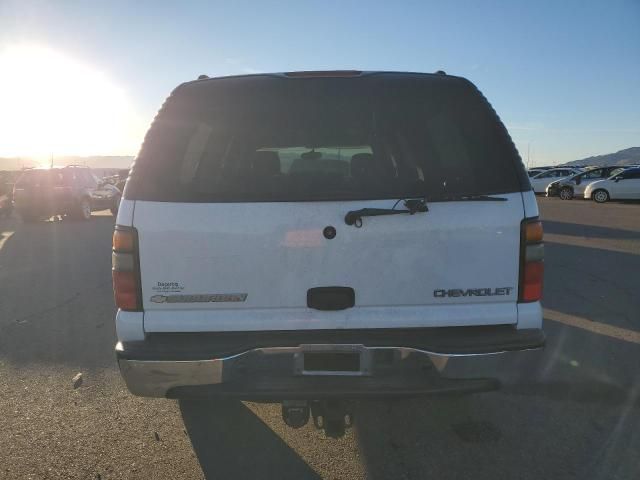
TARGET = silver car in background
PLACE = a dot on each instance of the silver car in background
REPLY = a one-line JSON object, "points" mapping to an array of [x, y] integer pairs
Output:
{"points": [[540, 182], [575, 185]]}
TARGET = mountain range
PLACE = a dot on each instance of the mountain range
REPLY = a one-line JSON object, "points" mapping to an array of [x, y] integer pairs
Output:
{"points": [[628, 156]]}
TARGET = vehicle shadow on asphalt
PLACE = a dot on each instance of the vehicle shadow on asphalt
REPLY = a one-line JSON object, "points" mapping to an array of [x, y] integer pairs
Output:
{"points": [[593, 283], [56, 302], [582, 230], [230, 441]]}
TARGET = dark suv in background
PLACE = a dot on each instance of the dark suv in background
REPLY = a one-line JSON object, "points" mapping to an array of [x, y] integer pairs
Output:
{"points": [[6, 194], [73, 190]]}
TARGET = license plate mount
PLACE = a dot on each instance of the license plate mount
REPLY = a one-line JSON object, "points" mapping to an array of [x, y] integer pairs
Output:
{"points": [[332, 360]]}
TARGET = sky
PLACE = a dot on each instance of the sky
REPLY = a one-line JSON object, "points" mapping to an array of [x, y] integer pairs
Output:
{"points": [[87, 77]]}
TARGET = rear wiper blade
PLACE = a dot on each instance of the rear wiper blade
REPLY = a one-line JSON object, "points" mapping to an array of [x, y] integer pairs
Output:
{"points": [[354, 217], [468, 198]]}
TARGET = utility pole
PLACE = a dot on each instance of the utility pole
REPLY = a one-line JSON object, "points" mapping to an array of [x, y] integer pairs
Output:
{"points": [[51, 165]]}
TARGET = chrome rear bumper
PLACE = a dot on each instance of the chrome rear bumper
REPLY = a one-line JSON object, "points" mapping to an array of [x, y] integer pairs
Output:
{"points": [[148, 378], [285, 375], [247, 365]]}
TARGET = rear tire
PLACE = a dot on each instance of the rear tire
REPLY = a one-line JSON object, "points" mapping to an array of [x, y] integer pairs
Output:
{"points": [[82, 211], [566, 193], [114, 209], [600, 196]]}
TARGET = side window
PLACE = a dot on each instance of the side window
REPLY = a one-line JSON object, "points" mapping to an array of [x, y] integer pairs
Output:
{"points": [[547, 175], [86, 179], [69, 178], [79, 179], [57, 179], [594, 174], [635, 174]]}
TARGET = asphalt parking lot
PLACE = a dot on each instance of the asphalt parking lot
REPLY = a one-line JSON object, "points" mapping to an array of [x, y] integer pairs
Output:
{"points": [[569, 411]]}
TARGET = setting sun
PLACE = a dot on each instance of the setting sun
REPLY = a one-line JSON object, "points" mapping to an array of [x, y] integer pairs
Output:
{"points": [[53, 104]]}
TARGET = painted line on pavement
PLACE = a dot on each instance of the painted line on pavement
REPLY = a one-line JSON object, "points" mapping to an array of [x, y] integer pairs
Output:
{"points": [[4, 236], [618, 333]]}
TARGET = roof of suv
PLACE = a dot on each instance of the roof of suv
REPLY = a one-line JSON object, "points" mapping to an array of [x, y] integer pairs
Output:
{"points": [[322, 73], [302, 74]]}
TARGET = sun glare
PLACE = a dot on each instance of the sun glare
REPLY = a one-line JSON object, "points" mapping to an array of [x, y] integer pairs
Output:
{"points": [[52, 104]]}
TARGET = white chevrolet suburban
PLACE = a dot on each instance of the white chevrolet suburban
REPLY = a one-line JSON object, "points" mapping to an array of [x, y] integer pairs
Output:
{"points": [[314, 237]]}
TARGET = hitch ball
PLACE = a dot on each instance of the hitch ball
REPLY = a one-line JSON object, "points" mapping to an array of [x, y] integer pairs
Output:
{"points": [[296, 414]]}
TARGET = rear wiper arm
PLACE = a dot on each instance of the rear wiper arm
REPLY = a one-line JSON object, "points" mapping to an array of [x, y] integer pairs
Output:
{"points": [[354, 217]]}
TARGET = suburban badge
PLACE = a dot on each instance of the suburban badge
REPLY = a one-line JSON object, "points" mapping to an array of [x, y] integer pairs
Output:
{"points": [[202, 298]]}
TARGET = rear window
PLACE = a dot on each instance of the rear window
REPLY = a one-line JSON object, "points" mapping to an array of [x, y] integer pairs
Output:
{"points": [[590, 175], [40, 178], [279, 139]]}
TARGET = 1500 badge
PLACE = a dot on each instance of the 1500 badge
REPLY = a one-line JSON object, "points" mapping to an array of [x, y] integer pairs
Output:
{"points": [[203, 298], [473, 292]]}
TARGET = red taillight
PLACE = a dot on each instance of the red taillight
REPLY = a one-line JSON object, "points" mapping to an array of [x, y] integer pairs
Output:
{"points": [[532, 261], [531, 286], [125, 290], [125, 272]]}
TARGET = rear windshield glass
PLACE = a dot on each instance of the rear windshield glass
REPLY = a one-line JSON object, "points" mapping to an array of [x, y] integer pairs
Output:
{"points": [[279, 139], [40, 178]]}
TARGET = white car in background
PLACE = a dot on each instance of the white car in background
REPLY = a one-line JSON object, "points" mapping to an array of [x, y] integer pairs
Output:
{"points": [[535, 171], [623, 186], [575, 185], [540, 182]]}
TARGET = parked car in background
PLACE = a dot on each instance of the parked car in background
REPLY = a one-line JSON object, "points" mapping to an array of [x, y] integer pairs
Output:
{"points": [[6, 198], [537, 170], [622, 186], [575, 185], [540, 182], [73, 190]]}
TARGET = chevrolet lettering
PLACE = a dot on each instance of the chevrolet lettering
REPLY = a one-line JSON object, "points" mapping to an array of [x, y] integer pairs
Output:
{"points": [[472, 292]]}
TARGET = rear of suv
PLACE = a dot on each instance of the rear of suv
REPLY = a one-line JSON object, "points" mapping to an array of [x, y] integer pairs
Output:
{"points": [[73, 190], [323, 235]]}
